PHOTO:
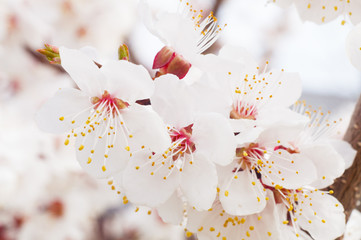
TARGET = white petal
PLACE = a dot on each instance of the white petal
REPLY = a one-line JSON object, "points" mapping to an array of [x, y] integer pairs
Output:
{"points": [[288, 88], [117, 157], [287, 170], [241, 196], [283, 3], [355, 8], [127, 81], [145, 189], [329, 164], [242, 60], [353, 46], [216, 224], [172, 210], [279, 135], [172, 27], [282, 116], [147, 128], [248, 136], [314, 11], [70, 104], [83, 71], [148, 19], [173, 101], [327, 208], [214, 137], [345, 150], [199, 182]]}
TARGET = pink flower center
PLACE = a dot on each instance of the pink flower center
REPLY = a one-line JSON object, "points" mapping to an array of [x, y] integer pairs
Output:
{"points": [[244, 112], [181, 141], [110, 101]]}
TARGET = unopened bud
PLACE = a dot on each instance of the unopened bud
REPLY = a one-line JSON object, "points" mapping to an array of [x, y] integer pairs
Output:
{"points": [[51, 53], [123, 52], [168, 61]]}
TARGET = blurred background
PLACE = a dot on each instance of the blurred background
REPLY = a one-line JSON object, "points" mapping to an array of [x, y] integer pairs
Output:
{"points": [[43, 192]]}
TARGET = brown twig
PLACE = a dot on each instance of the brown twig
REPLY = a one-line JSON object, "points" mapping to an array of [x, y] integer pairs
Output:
{"points": [[348, 187]]}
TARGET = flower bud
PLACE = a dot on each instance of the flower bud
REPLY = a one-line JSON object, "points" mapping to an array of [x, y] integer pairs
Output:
{"points": [[168, 61], [51, 53], [123, 52]]}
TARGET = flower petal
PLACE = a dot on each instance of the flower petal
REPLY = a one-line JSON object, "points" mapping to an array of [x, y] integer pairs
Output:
{"points": [[127, 81], [322, 216], [329, 164], [213, 136], [173, 101], [147, 128], [353, 46], [145, 189], [96, 157], [216, 224], [345, 150], [288, 89], [172, 210], [241, 195], [316, 13], [83, 71], [199, 182], [287, 170], [58, 113]]}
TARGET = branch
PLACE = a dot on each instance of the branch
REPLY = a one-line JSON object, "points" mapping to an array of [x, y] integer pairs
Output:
{"points": [[348, 187]]}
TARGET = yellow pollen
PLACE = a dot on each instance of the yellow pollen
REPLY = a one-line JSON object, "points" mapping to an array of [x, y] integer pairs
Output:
{"points": [[81, 147], [127, 148], [104, 168], [89, 160], [66, 142], [61, 118], [226, 193]]}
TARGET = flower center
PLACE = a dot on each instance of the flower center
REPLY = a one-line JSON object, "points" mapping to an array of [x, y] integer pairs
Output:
{"points": [[249, 157], [243, 111], [181, 141], [109, 100]]}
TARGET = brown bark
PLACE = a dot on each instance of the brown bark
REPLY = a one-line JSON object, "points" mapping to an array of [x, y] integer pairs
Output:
{"points": [[348, 187]]}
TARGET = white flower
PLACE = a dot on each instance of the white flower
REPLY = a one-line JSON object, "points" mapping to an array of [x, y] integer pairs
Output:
{"points": [[353, 46], [256, 166], [103, 115], [251, 97], [216, 224], [186, 33], [309, 209], [322, 11], [198, 142]]}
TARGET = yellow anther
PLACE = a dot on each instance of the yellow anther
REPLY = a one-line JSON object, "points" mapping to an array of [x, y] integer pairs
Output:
{"points": [[81, 147], [127, 148], [66, 142], [104, 168], [61, 118], [89, 160], [226, 193]]}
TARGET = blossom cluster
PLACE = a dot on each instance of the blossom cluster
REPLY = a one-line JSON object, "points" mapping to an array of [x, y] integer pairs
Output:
{"points": [[213, 142]]}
